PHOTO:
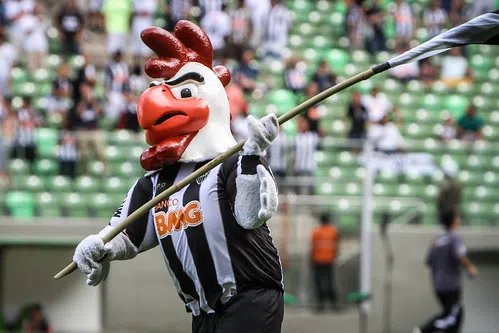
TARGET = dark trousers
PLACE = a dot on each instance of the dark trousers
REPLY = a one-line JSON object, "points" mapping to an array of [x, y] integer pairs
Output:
{"points": [[67, 168], [451, 318], [324, 284], [251, 311]]}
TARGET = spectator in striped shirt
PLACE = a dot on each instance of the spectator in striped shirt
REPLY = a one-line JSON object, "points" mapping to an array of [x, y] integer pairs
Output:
{"points": [[294, 77], [25, 141], [277, 26], [404, 22], [305, 145], [218, 27], [177, 10], [242, 29], [435, 19], [67, 150], [89, 134], [208, 6], [355, 24]]}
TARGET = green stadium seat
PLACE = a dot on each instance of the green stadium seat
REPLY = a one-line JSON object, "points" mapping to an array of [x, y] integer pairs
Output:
{"points": [[337, 59], [324, 158], [86, 184], [115, 153], [20, 204], [114, 185], [18, 75], [122, 138], [431, 102], [475, 162], [415, 88], [346, 159], [312, 56], [283, 99], [135, 153], [129, 169], [361, 58], [54, 61], [439, 88], [96, 168], [480, 63], [46, 167], [59, 184], [464, 89], [387, 177], [74, 205], [46, 141], [47, 205], [32, 184], [102, 205], [467, 177], [456, 104], [337, 22], [18, 166], [324, 6], [431, 191]]}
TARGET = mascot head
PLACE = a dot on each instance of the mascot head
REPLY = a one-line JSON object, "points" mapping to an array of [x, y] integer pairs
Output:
{"points": [[185, 113]]}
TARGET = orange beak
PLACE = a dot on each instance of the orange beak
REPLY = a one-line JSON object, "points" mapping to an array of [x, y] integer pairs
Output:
{"points": [[170, 124], [162, 116]]}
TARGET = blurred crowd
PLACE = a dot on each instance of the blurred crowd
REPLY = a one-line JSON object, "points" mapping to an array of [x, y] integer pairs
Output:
{"points": [[244, 35]]}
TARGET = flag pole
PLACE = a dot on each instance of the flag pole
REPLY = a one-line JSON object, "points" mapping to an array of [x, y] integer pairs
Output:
{"points": [[221, 158]]}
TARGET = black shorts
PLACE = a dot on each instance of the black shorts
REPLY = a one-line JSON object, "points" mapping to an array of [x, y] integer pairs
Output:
{"points": [[251, 311]]}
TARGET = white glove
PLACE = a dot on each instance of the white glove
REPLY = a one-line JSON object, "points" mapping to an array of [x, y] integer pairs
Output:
{"points": [[261, 134], [93, 257], [268, 194]]}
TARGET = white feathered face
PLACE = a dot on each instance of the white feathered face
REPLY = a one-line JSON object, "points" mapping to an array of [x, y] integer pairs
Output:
{"points": [[187, 117]]}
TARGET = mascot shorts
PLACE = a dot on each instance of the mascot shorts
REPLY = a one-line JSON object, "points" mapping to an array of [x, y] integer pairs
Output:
{"points": [[251, 311]]}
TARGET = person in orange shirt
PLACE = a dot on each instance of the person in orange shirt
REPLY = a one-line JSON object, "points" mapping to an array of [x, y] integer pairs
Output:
{"points": [[324, 250]]}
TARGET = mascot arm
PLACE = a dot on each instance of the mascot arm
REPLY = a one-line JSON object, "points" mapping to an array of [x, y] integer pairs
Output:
{"points": [[93, 256], [254, 197]]}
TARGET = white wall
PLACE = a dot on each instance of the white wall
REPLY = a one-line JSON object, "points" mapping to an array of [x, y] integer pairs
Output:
{"points": [[140, 296], [27, 277]]}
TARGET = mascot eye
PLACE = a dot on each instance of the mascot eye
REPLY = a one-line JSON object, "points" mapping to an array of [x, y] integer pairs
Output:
{"points": [[185, 93], [187, 90], [154, 84]]}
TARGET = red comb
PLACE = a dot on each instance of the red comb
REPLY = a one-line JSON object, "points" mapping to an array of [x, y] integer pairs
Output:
{"points": [[188, 43]]}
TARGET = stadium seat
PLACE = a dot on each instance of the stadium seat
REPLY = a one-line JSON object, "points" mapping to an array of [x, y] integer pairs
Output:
{"points": [[95, 168], [101, 205], [122, 138], [74, 205], [32, 184], [18, 166], [283, 99], [46, 141], [46, 167], [337, 59], [20, 204], [456, 104], [129, 170], [59, 184], [431, 102], [86, 184], [415, 88], [47, 205], [114, 185]]}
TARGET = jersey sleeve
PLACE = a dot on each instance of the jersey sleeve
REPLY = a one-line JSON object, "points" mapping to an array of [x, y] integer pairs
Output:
{"points": [[458, 248], [241, 165], [141, 232]]}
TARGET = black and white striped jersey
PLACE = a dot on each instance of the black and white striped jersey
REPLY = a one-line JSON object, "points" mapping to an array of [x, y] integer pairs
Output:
{"points": [[210, 257]]}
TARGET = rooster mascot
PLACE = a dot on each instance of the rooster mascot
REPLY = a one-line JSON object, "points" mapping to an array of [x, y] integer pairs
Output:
{"points": [[212, 233]]}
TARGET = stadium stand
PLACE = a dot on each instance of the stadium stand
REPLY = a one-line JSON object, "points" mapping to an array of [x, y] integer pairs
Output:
{"points": [[318, 32]]}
